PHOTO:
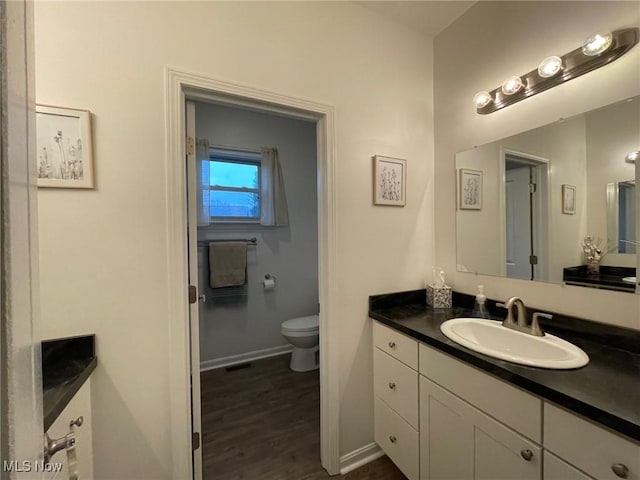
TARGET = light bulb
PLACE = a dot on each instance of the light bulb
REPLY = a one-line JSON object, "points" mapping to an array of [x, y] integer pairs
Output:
{"points": [[597, 43], [512, 85], [482, 99], [632, 157], [550, 66]]}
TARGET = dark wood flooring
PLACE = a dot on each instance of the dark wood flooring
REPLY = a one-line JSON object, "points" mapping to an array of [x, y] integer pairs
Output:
{"points": [[262, 423]]}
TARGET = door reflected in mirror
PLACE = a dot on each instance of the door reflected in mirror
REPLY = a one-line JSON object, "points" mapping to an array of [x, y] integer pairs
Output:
{"points": [[621, 217], [524, 229]]}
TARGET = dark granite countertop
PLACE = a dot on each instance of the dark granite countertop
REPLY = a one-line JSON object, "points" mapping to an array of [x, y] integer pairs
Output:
{"points": [[606, 390], [609, 278], [66, 365]]}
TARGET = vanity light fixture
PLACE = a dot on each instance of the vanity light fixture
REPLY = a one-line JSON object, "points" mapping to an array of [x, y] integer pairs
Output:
{"points": [[598, 50], [632, 157]]}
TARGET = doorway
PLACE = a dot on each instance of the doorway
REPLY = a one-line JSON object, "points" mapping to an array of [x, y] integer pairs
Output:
{"points": [[180, 87], [526, 204], [243, 354]]}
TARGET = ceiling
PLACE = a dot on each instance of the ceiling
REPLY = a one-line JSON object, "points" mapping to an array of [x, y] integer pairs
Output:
{"points": [[428, 17]]}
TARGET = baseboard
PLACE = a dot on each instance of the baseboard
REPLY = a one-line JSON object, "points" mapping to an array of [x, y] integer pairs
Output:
{"points": [[360, 457], [244, 357]]}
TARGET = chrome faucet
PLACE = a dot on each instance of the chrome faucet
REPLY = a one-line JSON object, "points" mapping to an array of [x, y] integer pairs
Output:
{"points": [[520, 323]]}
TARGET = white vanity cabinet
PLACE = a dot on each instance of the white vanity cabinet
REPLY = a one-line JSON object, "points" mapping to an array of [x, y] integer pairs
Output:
{"points": [[592, 449], [395, 380], [438, 417], [458, 440], [79, 405]]}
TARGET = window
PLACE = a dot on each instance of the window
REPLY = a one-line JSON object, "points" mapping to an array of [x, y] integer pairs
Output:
{"points": [[234, 185]]}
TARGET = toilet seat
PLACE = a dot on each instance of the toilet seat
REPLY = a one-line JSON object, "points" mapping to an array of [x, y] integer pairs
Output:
{"points": [[301, 324]]}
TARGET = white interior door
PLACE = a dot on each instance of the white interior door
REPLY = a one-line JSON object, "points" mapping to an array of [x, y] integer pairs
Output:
{"points": [[518, 222], [194, 321]]}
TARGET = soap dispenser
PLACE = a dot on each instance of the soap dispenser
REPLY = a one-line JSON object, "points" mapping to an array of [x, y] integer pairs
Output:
{"points": [[480, 309]]}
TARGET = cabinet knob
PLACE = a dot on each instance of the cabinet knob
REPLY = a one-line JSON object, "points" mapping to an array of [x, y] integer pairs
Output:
{"points": [[526, 454], [620, 470], [392, 344], [392, 438], [392, 385]]}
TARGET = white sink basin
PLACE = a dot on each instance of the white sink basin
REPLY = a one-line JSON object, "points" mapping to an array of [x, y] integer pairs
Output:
{"points": [[491, 338], [629, 279]]}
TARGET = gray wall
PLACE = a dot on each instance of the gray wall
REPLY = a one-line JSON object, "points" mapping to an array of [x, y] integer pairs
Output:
{"points": [[241, 324]]}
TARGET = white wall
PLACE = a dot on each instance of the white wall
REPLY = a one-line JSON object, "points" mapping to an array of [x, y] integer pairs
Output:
{"points": [[478, 228], [235, 325], [104, 256], [490, 42]]}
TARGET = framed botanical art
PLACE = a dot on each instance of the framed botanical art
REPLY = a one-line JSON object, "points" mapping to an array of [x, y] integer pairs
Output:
{"points": [[64, 150], [470, 189], [389, 181], [568, 199]]}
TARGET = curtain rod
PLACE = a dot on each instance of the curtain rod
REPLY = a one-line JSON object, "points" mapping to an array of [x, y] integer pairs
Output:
{"points": [[235, 149]]}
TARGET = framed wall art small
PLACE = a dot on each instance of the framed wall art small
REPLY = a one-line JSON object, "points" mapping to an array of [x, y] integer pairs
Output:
{"points": [[389, 181], [470, 189], [568, 199], [64, 149]]}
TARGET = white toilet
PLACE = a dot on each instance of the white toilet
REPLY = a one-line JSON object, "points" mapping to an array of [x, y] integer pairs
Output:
{"points": [[303, 334]]}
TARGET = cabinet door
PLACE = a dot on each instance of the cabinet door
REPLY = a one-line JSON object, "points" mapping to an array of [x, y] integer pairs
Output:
{"points": [[458, 441], [556, 469], [79, 405]]}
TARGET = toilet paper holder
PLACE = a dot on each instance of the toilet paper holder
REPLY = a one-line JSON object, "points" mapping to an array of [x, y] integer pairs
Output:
{"points": [[269, 282]]}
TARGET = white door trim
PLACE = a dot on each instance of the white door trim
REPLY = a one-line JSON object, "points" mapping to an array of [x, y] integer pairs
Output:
{"points": [[543, 211], [20, 364], [180, 85]]}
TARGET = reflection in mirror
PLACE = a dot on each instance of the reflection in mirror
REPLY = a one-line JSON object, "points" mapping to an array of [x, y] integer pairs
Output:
{"points": [[545, 190], [621, 217]]}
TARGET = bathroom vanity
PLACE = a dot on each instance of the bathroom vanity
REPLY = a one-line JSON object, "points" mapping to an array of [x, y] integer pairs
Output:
{"points": [[444, 411], [67, 364]]}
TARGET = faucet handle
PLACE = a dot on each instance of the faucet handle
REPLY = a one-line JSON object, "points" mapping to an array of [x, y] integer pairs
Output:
{"points": [[502, 305], [535, 326]]}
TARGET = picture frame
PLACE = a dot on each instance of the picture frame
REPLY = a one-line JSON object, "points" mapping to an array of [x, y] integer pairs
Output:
{"points": [[64, 147], [568, 199], [389, 181], [470, 189]]}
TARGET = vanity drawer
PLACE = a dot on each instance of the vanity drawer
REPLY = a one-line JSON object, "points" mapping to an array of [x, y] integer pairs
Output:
{"points": [[589, 447], [508, 404], [396, 344], [397, 385], [397, 438]]}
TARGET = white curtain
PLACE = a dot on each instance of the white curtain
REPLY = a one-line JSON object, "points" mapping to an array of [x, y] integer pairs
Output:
{"points": [[202, 182], [273, 201]]}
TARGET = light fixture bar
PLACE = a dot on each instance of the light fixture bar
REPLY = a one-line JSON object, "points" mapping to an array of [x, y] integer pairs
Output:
{"points": [[574, 64]]}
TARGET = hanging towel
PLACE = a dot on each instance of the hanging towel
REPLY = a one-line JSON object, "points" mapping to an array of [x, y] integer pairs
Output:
{"points": [[227, 264]]}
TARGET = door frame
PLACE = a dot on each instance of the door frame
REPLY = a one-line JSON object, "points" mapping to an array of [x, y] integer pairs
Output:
{"points": [[543, 210], [179, 87], [21, 425]]}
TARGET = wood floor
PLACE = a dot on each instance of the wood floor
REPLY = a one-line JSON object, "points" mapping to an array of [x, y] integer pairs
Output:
{"points": [[262, 423]]}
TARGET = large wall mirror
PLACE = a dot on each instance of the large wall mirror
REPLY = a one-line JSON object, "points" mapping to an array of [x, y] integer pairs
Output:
{"points": [[539, 194]]}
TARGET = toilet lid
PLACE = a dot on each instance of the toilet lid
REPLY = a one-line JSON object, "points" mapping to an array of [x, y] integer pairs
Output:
{"points": [[301, 323]]}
